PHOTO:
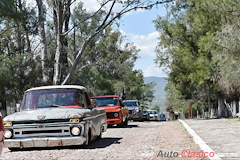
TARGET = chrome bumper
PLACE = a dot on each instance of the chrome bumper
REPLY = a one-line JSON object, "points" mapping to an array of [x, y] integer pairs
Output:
{"points": [[44, 142]]}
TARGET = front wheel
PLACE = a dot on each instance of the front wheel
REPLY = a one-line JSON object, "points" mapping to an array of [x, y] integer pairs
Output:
{"points": [[121, 124], [126, 122], [100, 135], [88, 138]]}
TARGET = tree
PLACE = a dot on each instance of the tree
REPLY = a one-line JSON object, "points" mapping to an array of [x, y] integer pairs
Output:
{"points": [[110, 17], [156, 107], [17, 66], [43, 41], [200, 47], [104, 63], [191, 67], [61, 16]]}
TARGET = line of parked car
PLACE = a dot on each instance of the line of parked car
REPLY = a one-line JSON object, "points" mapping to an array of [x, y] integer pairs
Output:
{"points": [[65, 115], [154, 115]]}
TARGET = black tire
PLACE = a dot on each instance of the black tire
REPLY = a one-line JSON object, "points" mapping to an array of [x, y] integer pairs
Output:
{"points": [[121, 124], [100, 135], [88, 138], [125, 122]]}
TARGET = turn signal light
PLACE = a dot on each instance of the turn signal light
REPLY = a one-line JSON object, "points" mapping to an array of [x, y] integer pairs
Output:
{"points": [[7, 123], [74, 120]]}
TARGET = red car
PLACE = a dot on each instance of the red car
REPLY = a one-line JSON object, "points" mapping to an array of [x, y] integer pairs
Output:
{"points": [[116, 112]]}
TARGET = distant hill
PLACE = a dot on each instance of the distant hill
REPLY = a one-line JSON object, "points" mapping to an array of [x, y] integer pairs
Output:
{"points": [[159, 91]]}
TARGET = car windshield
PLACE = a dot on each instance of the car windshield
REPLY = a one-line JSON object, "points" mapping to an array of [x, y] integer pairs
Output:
{"points": [[126, 103], [152, 112], [162, 115], [53, 98], [107, 102]]}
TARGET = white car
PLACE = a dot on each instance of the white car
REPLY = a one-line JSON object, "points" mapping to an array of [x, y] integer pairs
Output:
{"points": [[153, 115]]}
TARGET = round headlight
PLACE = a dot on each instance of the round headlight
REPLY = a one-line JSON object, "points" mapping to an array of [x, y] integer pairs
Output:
{"points": [[75, 131], [115, 114], [137, 109], [8, 134]]}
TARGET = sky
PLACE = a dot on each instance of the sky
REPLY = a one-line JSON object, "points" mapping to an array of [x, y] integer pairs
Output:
{"points": [[138, 27], [140, 30]]}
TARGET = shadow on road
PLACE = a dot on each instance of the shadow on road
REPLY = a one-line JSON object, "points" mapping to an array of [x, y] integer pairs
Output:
{"points": [[103, 143], [128, 126], [131, 126], [100, 143]]}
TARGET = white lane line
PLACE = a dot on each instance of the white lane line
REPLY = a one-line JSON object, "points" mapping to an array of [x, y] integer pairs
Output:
{"points": [[198, 140]]}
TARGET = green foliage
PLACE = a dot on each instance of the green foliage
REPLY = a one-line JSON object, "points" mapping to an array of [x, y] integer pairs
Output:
{"points": [[107, 66], [198, 42], [156, 107]]}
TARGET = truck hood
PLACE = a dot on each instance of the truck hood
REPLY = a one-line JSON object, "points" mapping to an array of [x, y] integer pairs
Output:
{"points": [[48, 113], [111, 108], [132, 107]]}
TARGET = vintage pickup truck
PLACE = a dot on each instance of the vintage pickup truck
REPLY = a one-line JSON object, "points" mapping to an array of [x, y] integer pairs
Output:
{"points": [[135, 110], [117, 113], [53, 116]]}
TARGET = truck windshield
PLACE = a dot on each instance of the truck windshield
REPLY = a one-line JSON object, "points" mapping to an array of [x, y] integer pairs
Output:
{"points": [[53, 98], [130, 103], [107, 102]]}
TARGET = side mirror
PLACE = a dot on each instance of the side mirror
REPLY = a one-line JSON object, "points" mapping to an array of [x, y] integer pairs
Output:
{"points": [[94, 103], [18, 107]]}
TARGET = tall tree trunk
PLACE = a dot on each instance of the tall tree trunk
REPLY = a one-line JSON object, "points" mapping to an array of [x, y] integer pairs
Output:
{"points": [[221, 106], [64, 57], [58, 65], [41, 16], [190, 115], [58, 22], [234, 107], [3, 102], [61, 10], [229, 111], [238, 107]]}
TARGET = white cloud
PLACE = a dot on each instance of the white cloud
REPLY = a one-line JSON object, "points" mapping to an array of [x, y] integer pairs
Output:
{"points": [[94, 5], [154, 70], [91, 5], [146, 43]]}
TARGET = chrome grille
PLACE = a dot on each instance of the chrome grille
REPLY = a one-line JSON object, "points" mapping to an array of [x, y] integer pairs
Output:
{"points": [[41, 121], [111, 115], [42, 131]]}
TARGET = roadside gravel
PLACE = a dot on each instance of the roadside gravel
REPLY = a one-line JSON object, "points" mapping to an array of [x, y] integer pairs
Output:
{"points": [[140, 140]]}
